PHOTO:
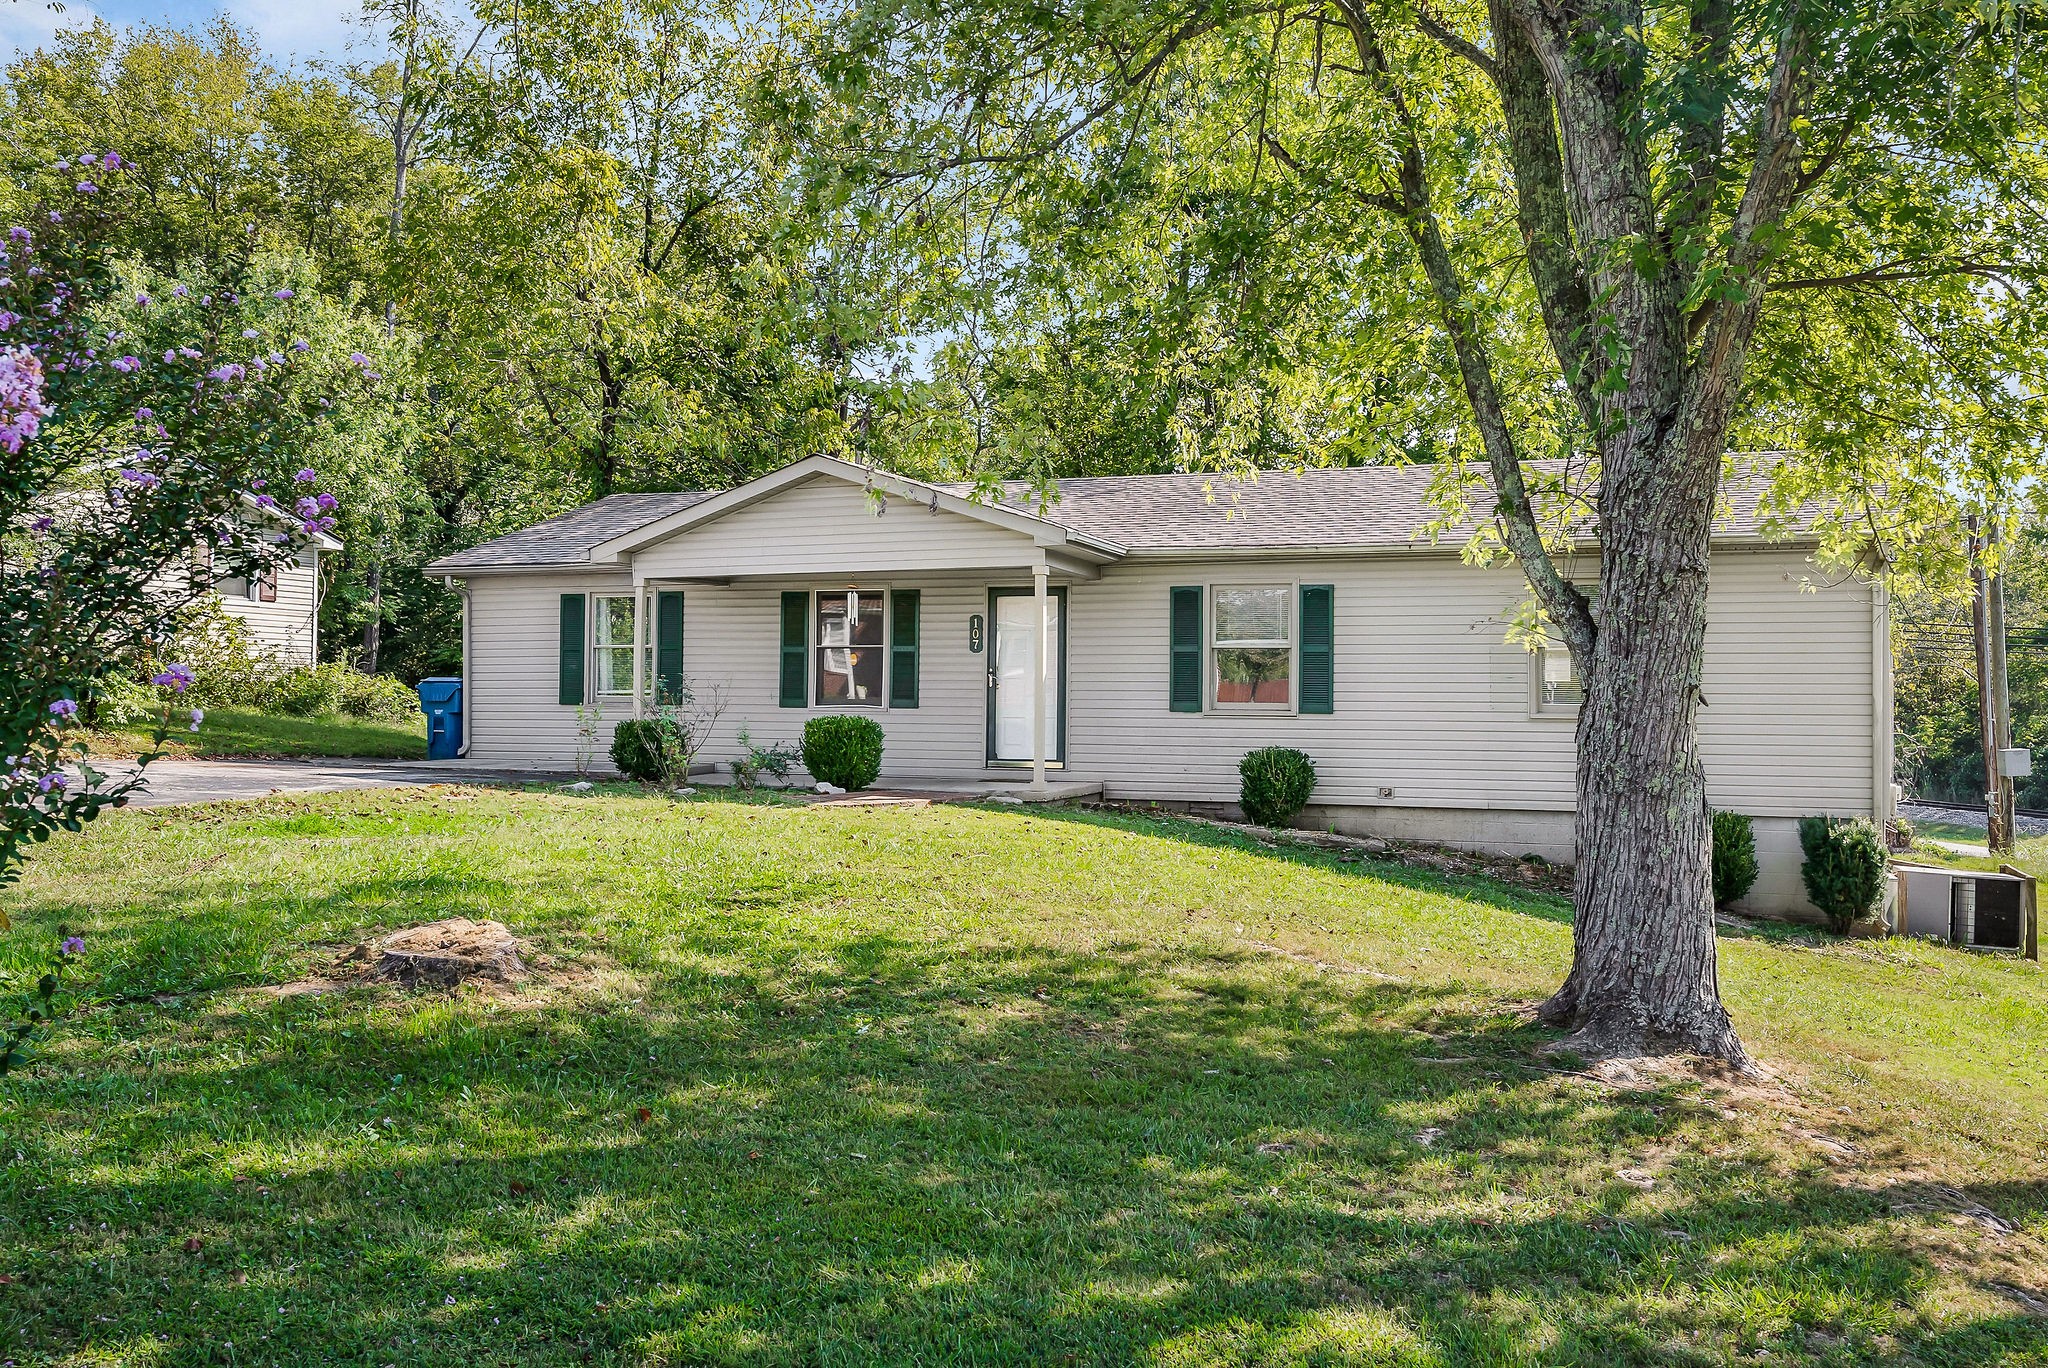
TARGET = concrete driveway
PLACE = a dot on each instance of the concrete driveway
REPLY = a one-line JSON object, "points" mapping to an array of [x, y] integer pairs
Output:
{"points": [[207, 781]]}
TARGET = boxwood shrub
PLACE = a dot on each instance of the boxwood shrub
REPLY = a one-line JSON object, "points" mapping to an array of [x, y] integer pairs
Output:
{"points": [[1734, 857], [843, 749], [1845, 868], [1276, 783], [654, 750]]}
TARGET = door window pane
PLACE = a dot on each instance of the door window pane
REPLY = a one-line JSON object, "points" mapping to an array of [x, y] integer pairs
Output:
{"points": [[1016, 675], [851, 654]]}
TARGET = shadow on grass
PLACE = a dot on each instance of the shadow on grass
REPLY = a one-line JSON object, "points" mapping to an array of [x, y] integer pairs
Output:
{"points": [[892, 1152], [1551, 907]]}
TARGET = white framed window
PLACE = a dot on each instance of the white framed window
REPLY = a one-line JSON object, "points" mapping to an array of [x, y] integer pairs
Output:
{"points": [[850, 645], [1251, 647], [1555, 689], [611, 645]]}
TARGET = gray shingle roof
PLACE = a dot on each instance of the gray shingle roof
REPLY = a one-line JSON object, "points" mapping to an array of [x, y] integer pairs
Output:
{"points": [[567, 538], [1352, 506], [1344, 506]]}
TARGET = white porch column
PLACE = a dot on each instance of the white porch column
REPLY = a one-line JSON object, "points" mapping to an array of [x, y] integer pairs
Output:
{"points": [[1041, 670], [639, 648]]}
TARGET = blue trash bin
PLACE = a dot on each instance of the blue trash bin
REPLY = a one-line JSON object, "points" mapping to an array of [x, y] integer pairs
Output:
{"points": [[441, 701]]}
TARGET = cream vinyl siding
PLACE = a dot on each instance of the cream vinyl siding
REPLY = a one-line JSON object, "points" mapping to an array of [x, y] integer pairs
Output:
{"points": [[829, 528], [1431, 700], [288, 627], [509, 708]]}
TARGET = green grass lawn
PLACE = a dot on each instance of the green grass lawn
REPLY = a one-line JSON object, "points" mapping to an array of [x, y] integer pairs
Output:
{"points": [[228, 732], [841, 1085]]}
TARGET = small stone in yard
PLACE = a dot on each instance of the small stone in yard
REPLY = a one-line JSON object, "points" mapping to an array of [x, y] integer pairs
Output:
{"points": [[824, 787], [1429, 1135], [581, 786], [1276, 1147], [685, 793], [1635, 1177]]}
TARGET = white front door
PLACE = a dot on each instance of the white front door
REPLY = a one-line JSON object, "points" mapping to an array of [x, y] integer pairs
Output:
{"points": [[1013, 667]]}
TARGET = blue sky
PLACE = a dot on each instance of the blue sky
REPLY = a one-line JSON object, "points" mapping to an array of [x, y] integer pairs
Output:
{"points": [[292, 31]]}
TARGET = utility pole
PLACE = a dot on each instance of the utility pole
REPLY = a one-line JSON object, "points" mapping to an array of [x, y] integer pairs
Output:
{"points": [[2001, 695], [1994, 703]]}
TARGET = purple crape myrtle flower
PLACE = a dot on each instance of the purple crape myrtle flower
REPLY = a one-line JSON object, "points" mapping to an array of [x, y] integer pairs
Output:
{"points": [[142, 301], [55, 779], [63, 707], [265, 501], [42, 524], [358, 359], [22, 409], [282, 295], [198, 716], [87, 188], [250, 334], [143, 415], [127, 365], [307, 507], [306, 476], [142, 479], [302, 345], [170, 357], [73, 945], [227, 373], [325, 502], [178, 677], [180, 291]]}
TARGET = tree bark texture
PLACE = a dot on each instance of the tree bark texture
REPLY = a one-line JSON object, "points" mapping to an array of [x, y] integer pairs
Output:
{"points": [[1655, 382]]}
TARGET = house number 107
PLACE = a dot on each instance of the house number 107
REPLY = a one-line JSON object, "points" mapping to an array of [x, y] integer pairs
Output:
{"points": [[974, 629]]}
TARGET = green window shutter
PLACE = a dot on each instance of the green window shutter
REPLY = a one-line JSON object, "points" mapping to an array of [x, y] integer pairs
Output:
{"points": [[668, 646], [903, 605], [796, 648], [1318, 649], [1184, 676], [574, 613]]}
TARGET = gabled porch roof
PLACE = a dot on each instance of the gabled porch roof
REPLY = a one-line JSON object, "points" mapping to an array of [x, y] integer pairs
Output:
{"points": [[1048, 535]]}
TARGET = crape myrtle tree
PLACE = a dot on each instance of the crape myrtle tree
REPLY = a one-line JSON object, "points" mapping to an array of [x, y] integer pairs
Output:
{"points": [[148, 445], [1635, 236]]}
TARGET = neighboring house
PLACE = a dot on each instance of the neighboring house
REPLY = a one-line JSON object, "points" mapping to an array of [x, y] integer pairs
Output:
{"points": [[281, 606], [1184, 628]]}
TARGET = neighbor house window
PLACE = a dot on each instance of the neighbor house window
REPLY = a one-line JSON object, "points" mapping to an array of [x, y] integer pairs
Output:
{"points": [[851, 648], [1251, 646], [263, 588], [611, 644], [1557, 690]]}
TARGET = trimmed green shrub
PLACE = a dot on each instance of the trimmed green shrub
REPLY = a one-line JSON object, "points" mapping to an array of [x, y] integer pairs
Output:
{"points": [[654, 750], [1275, 784], [1845, 868], [1734, 857], [843, 749]]}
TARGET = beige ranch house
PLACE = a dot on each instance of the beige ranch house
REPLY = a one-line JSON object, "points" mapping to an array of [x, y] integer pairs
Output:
{"points": [[1137, 637]]}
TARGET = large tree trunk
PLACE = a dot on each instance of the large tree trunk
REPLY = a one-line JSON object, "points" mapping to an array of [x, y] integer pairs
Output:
{"points": [[1643, 977]]}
